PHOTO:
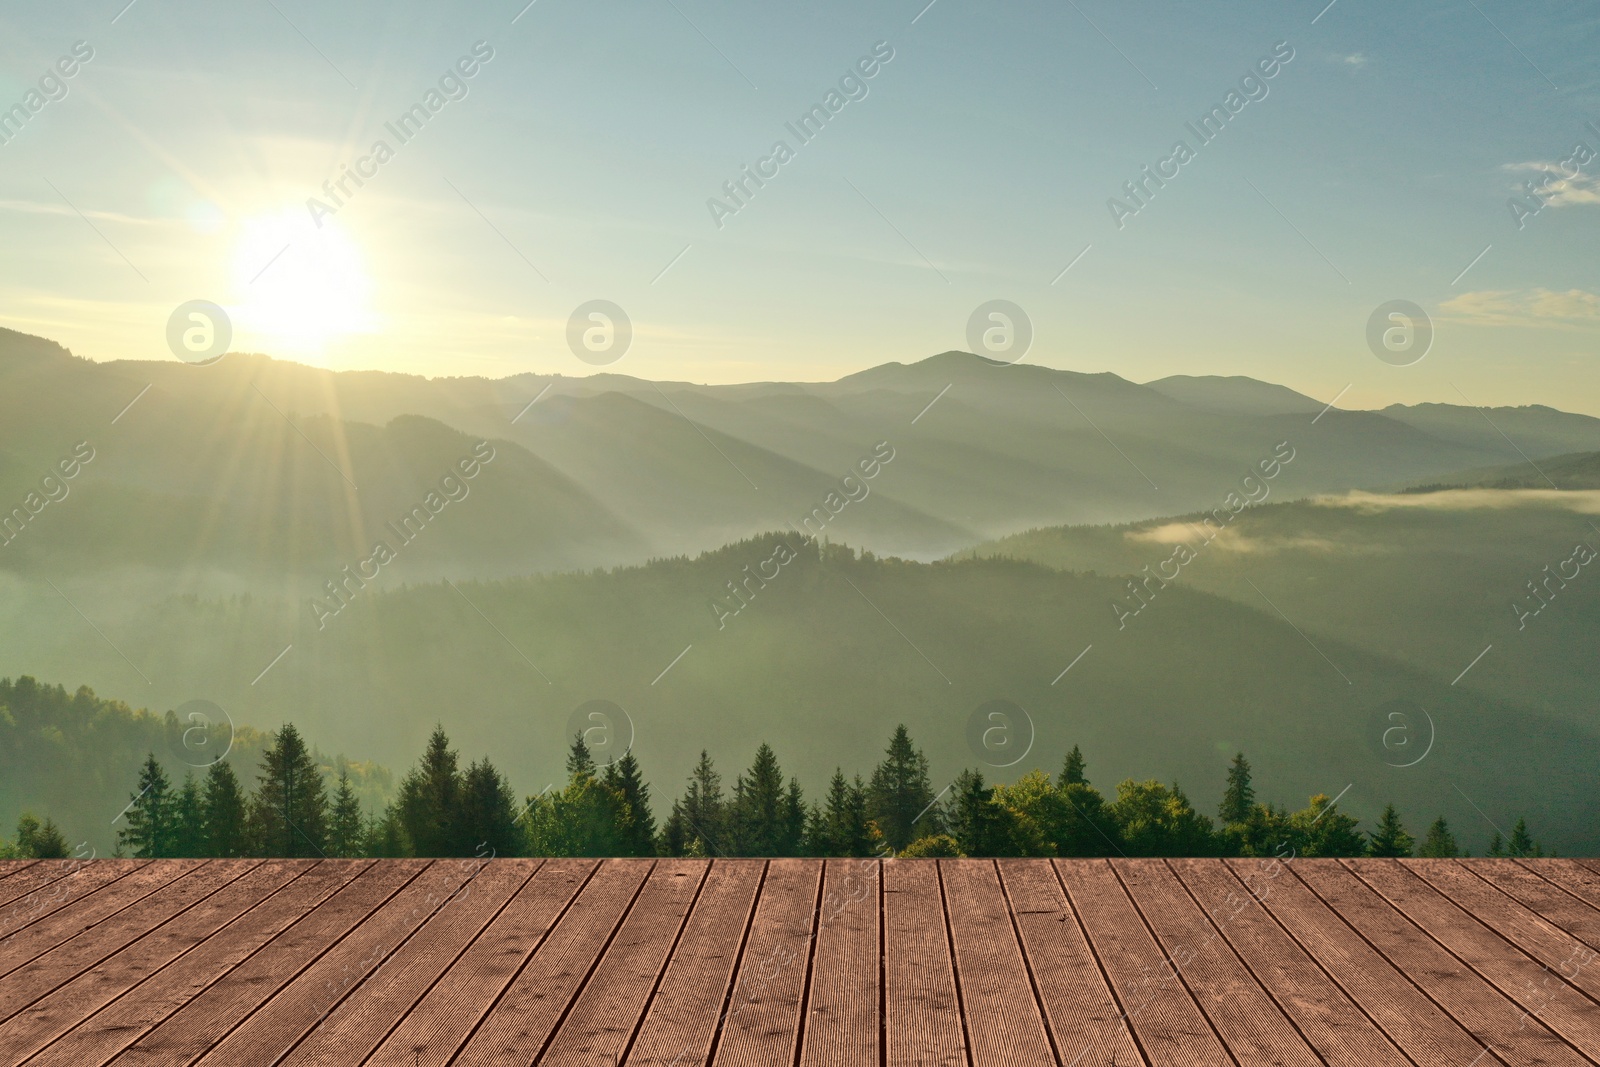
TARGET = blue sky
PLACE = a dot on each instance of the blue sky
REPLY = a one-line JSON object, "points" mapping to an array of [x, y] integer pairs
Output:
{"points": [[977, 166]]}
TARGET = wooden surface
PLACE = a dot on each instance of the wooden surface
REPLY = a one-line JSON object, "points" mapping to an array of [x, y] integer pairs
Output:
{"points": [[801, 963]]}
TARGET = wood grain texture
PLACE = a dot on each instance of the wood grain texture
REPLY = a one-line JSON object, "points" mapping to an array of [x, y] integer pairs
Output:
{"points": [[800, 963]]}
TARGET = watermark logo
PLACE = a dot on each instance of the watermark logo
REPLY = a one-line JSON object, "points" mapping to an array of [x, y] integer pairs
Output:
{"points": [[199, 332], [606, 729], [1400, 333], [1401, 733], [202, 734], [599, 332], [1000, 331], [1000, 733]]}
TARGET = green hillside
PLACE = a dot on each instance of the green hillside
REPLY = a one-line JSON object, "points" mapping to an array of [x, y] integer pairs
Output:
{"points": [[820, 658]]}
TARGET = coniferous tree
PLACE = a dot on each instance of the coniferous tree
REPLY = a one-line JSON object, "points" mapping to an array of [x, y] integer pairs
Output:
{"points": [[1390, 838], [840, 826], [1440, 842], [430, 801], [762, 813], [489, 812], [289, 812], [225, 813], [1072, 771], [386, 835], [579, 760], [150, 831], [189, 821], [581, 820], [1497, 846], [636, 834], [1240, 796], [39, 841], [1522, 842], [346, 830], [900, 797], [700, 816], [979, 825]]}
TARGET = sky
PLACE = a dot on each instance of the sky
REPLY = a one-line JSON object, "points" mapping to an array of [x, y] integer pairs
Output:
{"points": [[584, 156]]}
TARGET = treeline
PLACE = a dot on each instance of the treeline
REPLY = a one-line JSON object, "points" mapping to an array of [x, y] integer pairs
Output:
{"points": [[444, 809]]}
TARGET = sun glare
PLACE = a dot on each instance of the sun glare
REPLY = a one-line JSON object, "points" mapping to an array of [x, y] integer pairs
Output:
{"points": [[299, 289]]}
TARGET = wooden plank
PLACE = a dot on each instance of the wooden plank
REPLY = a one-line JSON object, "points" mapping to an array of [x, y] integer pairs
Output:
{"points": [[686, 1012], [1539, 991], [342, 972], [1496, 1022], [842, 1009], [52, 884], [8, 870], [106, 1033], [1414, 1022], [1169, 1025], [1537, 935], [1004, 1024], [208, 1018], [1328, 1019], [1550, 901], [74, 1001], [72, 957], [921, 1008], [519, 1024], [1084, 1018], [87, 908], [358, 1025], [1580, 878], [1250, 1023], [446, 1016], [601, 1022], [763, 1022]]}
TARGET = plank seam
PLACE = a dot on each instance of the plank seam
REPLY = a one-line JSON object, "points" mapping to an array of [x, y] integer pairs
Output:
{"points": [[811, 961], [1027, 964], [1551, 881], [1094, 954], [955, 972], [511, 981], [1395, 966], [1177, 972], [1315, 962], [883, 970], [68, 903], [738, 962], [1514, 902], [661, 974]]}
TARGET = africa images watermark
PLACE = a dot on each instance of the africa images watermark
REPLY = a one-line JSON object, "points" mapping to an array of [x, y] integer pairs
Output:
{"points": [[1211, 124], [452, 86], [342, 590], [52, 87], [852, 86], [53, 488], [853, 488]]}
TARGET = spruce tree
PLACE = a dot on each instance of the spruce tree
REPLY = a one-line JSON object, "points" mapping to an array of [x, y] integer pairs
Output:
{"points": [[386, 835], [1440, 842], [1390, 838], [489, 812], [1522, 842], [1320, 830], [901, 793], [1072, 772], [761, 808], [289, 812], [189, 821], [224, 811], [39, 841], [1497, 847], [979, 825], [346, 830], [430, 801], [700, 816], [1240, 796], [637, 832], [149, 833]]}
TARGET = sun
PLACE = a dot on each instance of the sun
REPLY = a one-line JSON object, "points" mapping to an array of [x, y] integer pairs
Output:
{"points": [[299, 288]]}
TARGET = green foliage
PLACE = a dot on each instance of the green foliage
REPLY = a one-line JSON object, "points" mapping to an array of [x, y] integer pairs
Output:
{"points": [[766, 819], [226, 813], [1440, 842], [698, 823], [1154, 820], [1390, 838], [983, 827], [150, 831], [487, 819], [900, 798], [189, 838], [1320, 830], [430, 800], [38, 841], [841, 826], [1522, 843], [934, 845], [346, 830], [1073, 770], [1240, 796], [636, 833], [288, 814]]}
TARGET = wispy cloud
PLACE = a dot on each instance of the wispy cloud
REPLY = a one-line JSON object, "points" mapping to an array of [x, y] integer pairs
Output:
{"points": [[1558, 188], [32, 207], [1354, 59], [1573, 309]]}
